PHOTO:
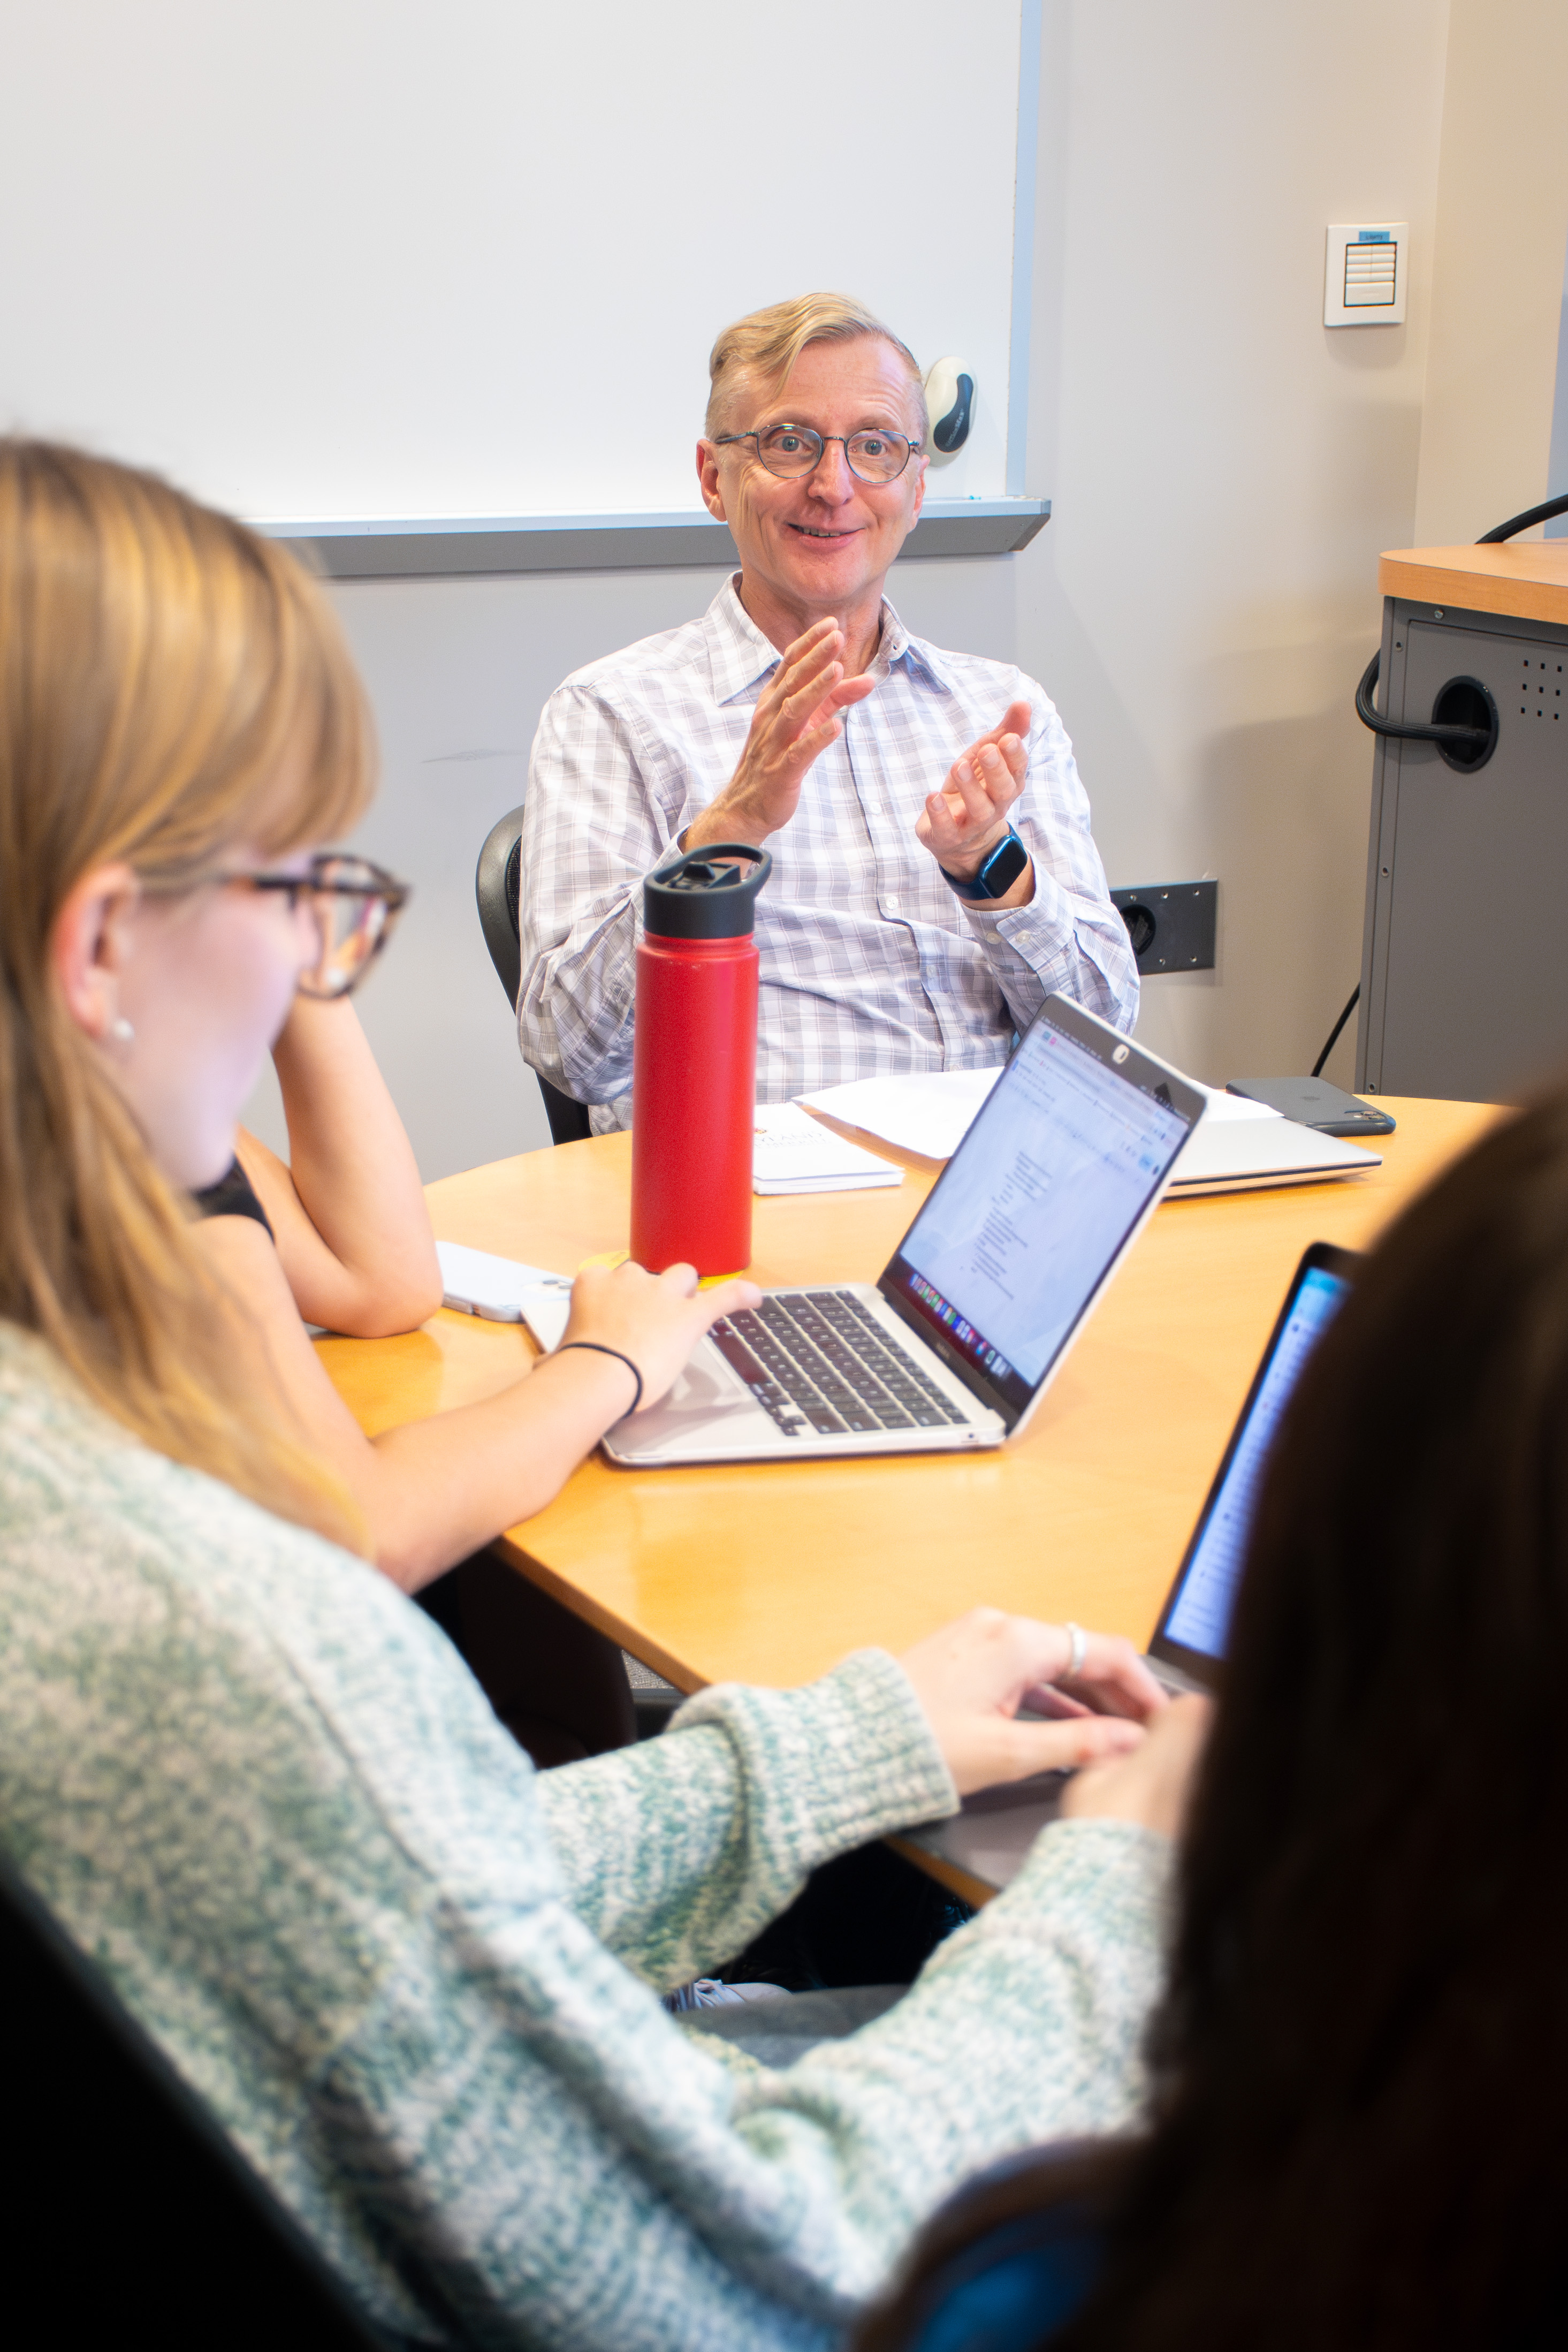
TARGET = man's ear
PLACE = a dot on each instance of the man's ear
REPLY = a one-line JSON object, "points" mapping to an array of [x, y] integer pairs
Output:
{"points": [[88, 944], [924, 464], [707, 477]]}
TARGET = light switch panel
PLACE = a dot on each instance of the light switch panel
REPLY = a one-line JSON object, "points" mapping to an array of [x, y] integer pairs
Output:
{"points": [[1364, 281]]}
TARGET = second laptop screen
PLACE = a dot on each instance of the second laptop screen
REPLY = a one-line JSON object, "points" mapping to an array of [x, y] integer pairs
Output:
{"points": [[1199, 1617]]}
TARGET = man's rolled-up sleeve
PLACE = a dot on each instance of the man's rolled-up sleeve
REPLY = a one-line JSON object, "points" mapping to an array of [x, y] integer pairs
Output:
{"points": [[1070, 941], [596, 821]]}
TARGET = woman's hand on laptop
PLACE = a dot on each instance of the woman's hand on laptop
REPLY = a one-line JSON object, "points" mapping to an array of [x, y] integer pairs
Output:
{"points": [[1153, 1787], [973, 1675], [654, 1320]]}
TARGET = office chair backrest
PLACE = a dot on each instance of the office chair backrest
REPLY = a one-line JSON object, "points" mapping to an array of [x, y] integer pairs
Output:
{"points": [[495, 889], [496, 879], [136, 2218]]}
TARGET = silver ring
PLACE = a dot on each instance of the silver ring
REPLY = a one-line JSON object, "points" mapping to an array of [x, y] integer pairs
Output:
{"points": [[1078, 1653]]}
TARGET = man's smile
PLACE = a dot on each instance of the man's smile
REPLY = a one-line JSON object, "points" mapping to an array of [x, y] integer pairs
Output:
{"points": [[813, 530]]}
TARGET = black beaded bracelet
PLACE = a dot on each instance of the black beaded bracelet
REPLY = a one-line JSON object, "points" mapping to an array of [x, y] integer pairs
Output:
{"points": [[600, 1349]]}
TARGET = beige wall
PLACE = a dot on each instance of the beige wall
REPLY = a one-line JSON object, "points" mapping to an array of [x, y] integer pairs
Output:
{"points": [[1502, 225], [1226, 468]]}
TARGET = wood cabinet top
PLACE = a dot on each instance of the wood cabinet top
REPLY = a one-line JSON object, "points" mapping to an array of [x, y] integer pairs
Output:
{"points": [[1528, 578]]}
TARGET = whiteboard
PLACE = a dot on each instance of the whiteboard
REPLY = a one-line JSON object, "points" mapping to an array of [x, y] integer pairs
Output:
{"points": [[362, 259]]}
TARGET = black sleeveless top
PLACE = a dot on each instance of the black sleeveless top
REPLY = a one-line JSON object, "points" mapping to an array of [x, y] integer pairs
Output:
{"points": [[232, 1195]]}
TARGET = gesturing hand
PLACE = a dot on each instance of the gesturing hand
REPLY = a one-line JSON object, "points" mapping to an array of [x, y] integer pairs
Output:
{"points": [[656, 1320], [795, 720], [964, 821], [973, 1675]]}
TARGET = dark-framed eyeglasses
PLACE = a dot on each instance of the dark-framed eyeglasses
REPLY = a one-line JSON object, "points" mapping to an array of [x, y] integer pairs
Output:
{"points": [[355, 904], [791, 451]]}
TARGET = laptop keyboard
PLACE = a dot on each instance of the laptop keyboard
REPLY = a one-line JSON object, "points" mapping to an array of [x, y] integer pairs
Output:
{"points": [[820, 1360]]}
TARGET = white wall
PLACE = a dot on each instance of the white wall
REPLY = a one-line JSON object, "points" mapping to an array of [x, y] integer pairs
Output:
{"points": [[1225, 470], [323, 259]]}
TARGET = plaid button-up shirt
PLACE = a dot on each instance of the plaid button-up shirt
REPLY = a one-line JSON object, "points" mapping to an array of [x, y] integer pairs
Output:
{"points": [[870, 964]]}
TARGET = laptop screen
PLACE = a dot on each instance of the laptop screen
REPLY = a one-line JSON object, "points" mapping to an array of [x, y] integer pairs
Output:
{"points": [[1065, 1155], [1196, 1624]]}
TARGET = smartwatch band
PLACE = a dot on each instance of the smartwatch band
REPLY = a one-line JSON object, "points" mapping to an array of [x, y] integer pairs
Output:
{"points": [[997, 876]]}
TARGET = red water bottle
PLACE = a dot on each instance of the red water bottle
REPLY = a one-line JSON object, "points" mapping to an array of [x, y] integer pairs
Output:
{"points": [[693, 1063]]}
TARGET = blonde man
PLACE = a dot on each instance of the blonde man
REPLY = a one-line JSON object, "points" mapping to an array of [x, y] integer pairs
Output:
{"points": [[933, 872]]}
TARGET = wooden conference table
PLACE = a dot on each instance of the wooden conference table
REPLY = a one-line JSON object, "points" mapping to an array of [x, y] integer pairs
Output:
{"points": [[770, 1572]]}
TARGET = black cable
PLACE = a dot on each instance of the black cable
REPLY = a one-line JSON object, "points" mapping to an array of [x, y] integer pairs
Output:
{"points": [[1333, 1032], [1525, 521], [1461, 738]]}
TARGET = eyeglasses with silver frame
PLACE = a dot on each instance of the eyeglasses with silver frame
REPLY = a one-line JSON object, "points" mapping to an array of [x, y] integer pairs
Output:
{"points": [[792, 451]]}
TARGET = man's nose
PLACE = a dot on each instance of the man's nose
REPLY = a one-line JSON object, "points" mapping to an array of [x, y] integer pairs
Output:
{"points": [[830, 478]]}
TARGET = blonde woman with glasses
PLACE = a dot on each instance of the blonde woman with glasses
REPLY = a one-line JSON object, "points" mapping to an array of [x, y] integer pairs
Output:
{"points": [[418, 1983], [341, 1236]]}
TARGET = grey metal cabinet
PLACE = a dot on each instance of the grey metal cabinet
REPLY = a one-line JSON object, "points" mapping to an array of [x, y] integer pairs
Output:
{"points": [[1465, 962]]}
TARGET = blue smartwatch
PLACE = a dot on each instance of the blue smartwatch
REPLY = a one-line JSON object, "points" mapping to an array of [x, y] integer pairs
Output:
{"points": [[997, 876]]}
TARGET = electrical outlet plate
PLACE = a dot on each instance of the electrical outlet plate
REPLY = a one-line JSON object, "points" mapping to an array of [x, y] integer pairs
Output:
{"points": [[1170, 924]]}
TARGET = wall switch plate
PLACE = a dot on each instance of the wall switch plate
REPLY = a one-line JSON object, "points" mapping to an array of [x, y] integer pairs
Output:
{"points": [[1364, 274], [1170, 924]]}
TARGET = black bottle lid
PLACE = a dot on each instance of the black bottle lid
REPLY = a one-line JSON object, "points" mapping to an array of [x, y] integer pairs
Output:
{"points": [[698, 897]]}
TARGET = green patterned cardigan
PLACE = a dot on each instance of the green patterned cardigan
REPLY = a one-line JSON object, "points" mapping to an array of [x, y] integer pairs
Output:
{"points": [[419, 1983]]}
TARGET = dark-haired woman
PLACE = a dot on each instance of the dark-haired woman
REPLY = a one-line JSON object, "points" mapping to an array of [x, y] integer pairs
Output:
{"points": [[1358, 2134]]}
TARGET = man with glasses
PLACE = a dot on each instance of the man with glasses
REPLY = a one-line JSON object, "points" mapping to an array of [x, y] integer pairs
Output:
{"points": [[934, 872]]}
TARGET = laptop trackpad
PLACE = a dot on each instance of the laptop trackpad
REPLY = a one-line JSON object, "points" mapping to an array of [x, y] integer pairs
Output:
{"points": [[706, 1393]]}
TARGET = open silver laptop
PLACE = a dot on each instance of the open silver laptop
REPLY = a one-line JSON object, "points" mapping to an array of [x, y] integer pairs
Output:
{"points": [[990, 1837], [964, 1330]]}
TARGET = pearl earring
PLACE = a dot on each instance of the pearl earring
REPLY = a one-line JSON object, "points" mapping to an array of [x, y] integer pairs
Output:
{"points": [[122, 1032]]}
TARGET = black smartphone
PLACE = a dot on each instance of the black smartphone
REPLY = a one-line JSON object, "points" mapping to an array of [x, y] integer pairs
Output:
{"points": [[1312, 1102]]}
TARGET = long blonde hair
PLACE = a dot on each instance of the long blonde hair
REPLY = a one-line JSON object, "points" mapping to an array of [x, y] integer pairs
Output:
{"points": [[169, 683]]}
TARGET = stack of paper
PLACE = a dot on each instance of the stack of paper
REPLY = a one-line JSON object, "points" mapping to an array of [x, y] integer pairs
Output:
{"points": [[1237, 1146], [1221, 1108], [795, 1153], [927, 1112]]}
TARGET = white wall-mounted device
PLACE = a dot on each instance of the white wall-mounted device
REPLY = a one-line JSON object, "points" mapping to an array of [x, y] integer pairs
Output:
{"points": [[1364, 281], [950, 405]]}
